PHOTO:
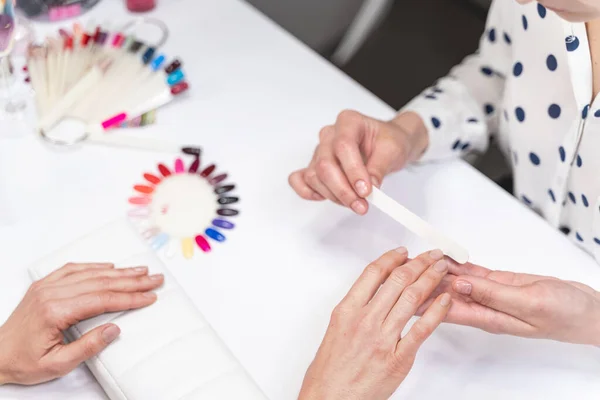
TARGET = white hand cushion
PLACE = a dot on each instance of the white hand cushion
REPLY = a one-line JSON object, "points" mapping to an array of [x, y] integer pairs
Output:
{"points": [[166, 351]]}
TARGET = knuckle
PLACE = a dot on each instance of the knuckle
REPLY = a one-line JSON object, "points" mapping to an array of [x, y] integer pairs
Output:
{"points": [[373, 269], [399, 363], [325, 131], [342, 146], [105, 283], [412, 296], [420, 332], [89, 349], [348, 115], [401, 276], [323, 167], [486, 297], [50, 311], [366, 324]]}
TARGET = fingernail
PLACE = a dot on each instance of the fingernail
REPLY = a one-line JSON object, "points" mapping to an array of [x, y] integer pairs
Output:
{"points": [[358, 207], [149, 295], [445, 300], [140, 269], [374, 181], [441, 266], [463, 287], [436, 254], [110, 333], [157, 277], [402, 250], [361, 188]]}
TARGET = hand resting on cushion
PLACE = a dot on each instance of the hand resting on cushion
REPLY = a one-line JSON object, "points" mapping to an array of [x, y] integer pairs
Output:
{"points": [[32, 347]]}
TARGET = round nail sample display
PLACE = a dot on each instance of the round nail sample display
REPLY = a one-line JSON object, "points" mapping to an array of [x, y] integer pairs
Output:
{"points": [[186, 206]]}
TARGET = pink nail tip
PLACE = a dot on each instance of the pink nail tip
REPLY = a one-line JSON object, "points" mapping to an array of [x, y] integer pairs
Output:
{"points": [[179, 166], [140, 200], [202, 243]]}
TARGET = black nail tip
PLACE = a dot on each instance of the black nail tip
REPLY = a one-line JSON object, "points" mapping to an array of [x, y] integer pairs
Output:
{"points": [[228, 200], [224, 189], [227, 212], [192, 151]]}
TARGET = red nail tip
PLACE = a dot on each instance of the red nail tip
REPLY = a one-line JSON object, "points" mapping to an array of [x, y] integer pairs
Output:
{"points": [[209, 170], [152, 178], [179, 88], [164, 170], [25, 69], [195, 165], [28, 79], [202, 243]]}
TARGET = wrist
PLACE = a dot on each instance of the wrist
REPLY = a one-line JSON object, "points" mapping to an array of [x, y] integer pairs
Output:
{"points": [[5, 375], [416, 133]]}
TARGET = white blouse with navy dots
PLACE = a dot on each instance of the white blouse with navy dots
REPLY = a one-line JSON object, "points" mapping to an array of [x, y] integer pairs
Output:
{"points": [[529, 86]]}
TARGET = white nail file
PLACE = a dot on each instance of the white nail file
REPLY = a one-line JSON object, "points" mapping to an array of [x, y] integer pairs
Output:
{"points": [[419, 227]]}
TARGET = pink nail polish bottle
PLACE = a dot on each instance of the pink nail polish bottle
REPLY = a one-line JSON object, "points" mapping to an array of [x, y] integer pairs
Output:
{"points": [[140, 5]]}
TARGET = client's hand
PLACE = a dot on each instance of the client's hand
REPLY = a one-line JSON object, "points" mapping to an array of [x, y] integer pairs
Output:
{"points": [[32, 348], [362, 355], [522, 304]]}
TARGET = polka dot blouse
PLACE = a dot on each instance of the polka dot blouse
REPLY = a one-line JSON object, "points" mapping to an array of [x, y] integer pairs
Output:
{"points": [[529, 86]]}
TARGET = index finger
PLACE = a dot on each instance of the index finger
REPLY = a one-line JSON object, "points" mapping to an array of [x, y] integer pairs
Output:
{"points": [[72, 268], [346, 147]]}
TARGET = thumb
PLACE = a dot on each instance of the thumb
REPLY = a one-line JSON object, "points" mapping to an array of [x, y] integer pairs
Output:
{"points": [[86, 347], [504, 298]]}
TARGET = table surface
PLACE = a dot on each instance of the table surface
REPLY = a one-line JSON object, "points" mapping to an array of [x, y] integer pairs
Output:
{"points": [[258, 99]]}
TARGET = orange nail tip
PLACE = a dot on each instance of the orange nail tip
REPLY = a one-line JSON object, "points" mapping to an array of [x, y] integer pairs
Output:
{"points": [[143, 189]]}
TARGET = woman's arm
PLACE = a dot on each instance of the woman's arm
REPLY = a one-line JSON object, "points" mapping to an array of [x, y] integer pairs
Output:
{"points": [[464, 108]]}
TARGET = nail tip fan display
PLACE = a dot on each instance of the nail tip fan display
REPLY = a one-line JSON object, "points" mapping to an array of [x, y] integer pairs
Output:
{"points": [[102, 79], [184, 205]]}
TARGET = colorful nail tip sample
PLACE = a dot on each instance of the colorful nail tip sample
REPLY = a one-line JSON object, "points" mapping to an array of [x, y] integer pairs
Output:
{"points": [[227, 200], [179, 166], [224, 189], [215, 235], [195, 165], [209, 170], [143, 189], [139, 200], [153, 179], [221, 223], [192, 151], [159, 241], [187, 247], [164, 170], [149, 216], [202, 243], [218, 179], [227, 212]]}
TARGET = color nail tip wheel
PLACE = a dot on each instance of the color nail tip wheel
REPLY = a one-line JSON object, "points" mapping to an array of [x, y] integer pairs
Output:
{"points": [[182, 207]]}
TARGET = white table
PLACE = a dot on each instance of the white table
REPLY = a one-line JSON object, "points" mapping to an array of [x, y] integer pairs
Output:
{"points": [[258, 100]]}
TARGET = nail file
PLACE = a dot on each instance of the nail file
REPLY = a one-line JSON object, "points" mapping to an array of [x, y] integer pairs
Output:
{"points": [[418, 226]]}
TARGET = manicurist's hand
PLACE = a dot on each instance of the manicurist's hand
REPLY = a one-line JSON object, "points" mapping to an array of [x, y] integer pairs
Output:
{"points": [[363, 355], [32, 348], [523, 305], [356, 153]]}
